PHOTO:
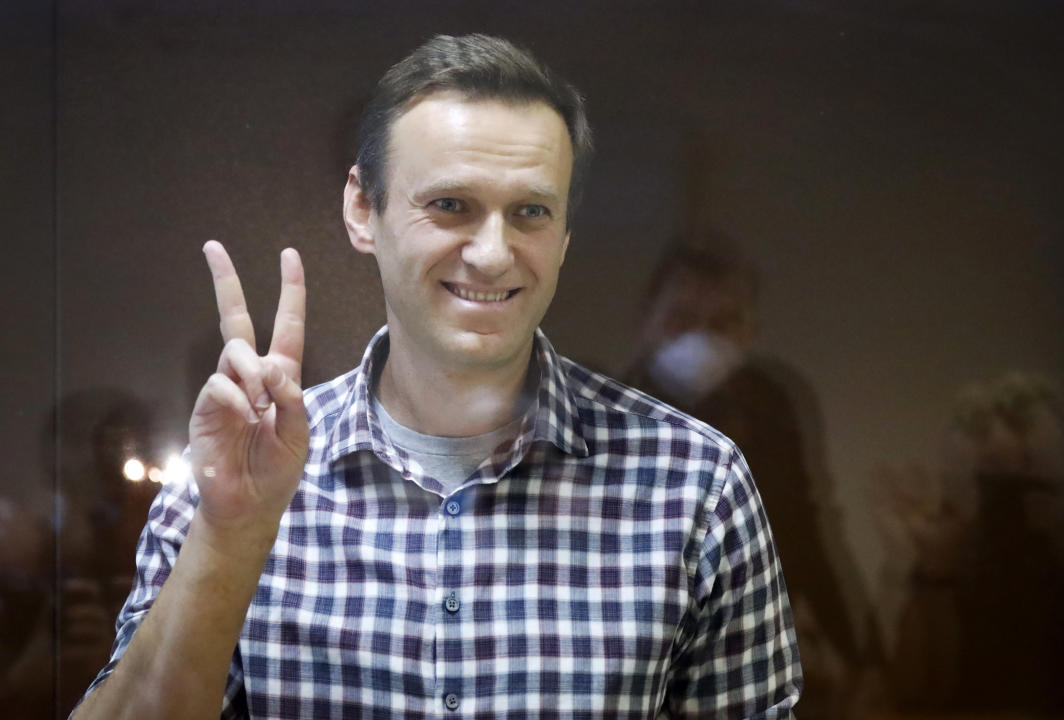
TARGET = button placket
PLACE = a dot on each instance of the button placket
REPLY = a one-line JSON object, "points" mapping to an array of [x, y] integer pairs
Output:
{"points": [[450, 574]]}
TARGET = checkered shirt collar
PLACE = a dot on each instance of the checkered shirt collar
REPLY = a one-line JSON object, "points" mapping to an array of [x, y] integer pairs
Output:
{"points": [[552, 418]]}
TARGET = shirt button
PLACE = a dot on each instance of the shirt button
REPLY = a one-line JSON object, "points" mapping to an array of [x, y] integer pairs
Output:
{"points": [[451, 701], [452, 604], [452, 507]]}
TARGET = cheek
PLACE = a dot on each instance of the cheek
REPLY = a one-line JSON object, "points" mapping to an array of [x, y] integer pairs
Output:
{"points": [[543, 256], [408, 260], [397, 277]]}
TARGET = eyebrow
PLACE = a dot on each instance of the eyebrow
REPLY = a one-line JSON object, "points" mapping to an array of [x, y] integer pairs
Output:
{"points": [[544, 192], [443, 186]]}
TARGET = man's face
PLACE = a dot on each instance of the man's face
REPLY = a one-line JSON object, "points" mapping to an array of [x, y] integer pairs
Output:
{"points": [[474, 231]]}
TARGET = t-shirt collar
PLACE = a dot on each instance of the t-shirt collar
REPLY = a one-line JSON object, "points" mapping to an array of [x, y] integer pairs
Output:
{"points": [[554, 416]]}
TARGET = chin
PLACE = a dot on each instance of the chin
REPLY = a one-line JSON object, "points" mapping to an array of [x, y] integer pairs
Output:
{"points": [[486, 350]]}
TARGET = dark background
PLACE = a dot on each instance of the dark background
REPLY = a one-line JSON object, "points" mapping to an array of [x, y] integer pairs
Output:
{"points": [[892, 169]]}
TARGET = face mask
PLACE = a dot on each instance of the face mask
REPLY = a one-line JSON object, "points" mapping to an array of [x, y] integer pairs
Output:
{"points": [[689, 366]]}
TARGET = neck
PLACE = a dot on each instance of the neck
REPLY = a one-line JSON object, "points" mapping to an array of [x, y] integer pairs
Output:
{"points": [[449, 402]]}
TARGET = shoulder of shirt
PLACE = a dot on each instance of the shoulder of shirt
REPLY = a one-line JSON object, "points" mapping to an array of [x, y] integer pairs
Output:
{"points": [[612, 412], [600, 396]]}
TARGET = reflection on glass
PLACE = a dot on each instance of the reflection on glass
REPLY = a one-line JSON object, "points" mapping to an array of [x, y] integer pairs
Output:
{"points": [[107, 446], [697, 351], [978, 631], [133, 470], [26, 611]]}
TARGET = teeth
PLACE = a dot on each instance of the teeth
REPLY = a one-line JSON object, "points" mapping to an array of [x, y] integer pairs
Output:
{"points": [[479, 296]]}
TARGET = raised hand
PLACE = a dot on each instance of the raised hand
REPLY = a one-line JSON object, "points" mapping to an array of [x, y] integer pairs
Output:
{"points": [[248, 434]]}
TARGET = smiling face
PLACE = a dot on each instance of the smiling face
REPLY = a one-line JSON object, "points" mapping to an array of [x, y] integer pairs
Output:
{"points": [[474, 230]]}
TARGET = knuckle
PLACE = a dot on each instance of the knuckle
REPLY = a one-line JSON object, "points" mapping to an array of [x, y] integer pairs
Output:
{"points": [[216, 383], [235, 345]]}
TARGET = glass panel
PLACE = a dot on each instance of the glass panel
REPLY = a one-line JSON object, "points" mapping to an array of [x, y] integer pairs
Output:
{"points": [[28, 328], [833, 233]]}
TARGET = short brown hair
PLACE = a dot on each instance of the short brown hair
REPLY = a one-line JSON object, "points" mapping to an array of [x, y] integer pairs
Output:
{"points": [[480, 67]]}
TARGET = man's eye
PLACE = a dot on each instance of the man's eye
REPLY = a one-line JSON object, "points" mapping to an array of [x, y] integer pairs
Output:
{"points": [[447, 205], [534, 211]]}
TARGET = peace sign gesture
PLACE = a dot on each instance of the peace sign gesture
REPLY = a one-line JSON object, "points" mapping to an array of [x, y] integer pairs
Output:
{"points": [[248, 434]]}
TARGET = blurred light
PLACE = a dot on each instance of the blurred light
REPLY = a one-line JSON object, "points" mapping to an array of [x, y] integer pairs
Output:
{"points": [[133, 470], [176, 470], [155, 475]]}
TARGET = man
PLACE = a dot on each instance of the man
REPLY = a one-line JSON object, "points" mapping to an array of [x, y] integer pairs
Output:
{"points": [[470, 525]]}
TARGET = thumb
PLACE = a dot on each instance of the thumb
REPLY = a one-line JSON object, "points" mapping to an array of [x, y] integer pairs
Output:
{"points": [[288, 398]]}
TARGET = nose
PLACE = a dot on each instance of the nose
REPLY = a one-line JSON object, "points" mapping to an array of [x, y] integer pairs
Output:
{"points": [[488, 250]]}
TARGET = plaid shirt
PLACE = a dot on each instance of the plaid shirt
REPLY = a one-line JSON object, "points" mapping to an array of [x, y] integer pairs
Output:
{"points": [[612, 561]]}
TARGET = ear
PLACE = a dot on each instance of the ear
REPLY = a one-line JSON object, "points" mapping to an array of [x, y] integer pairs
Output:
{"points": [[565, 247], [358, 211]]}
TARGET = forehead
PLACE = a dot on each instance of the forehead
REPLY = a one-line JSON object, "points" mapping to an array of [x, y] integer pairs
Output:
{"points": [[447, 133]]}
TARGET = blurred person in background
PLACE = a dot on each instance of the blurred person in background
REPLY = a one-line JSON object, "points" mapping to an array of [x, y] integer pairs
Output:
{"points": [[26, 612], [980, 629], [100, 513], [696, 352], [89, 539]]}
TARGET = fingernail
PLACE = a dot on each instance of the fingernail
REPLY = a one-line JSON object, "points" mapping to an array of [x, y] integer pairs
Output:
{"points": [[253, 416], [263, 401]]}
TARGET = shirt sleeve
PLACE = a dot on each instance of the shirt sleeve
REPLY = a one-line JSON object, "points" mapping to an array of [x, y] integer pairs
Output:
{"points": [[169, 519], [737, 654]]}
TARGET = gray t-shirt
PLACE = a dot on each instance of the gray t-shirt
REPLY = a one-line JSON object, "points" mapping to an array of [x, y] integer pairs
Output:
{"points": [[451, 460]]}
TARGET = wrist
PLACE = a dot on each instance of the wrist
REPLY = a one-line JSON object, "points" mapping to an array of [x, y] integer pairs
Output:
{"points": [[233, 543]]}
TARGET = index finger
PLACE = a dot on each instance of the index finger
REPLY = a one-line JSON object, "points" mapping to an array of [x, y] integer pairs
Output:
{"points": [[235, 321], [290, 322]]}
